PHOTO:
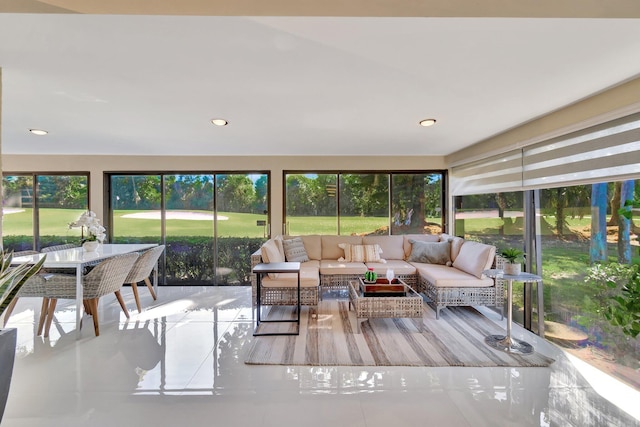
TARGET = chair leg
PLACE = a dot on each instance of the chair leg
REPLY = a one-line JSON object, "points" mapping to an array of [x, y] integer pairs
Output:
{"points": [[150, 286], [94, 308], [134, 288], [87, 307], [52, 308], [121, 301], [9, 310], [44, 310]]}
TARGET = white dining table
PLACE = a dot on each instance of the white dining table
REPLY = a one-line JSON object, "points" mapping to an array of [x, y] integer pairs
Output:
{"points": [[78, 259]]}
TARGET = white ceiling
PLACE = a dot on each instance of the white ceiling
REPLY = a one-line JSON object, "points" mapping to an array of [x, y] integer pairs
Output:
{"points": [[148, 85]]}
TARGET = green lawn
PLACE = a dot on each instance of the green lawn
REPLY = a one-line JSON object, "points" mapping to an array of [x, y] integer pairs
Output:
{"points": [[53, 222]]}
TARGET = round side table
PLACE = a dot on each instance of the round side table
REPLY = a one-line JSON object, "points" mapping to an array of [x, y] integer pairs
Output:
{"points": [[506, 342]]}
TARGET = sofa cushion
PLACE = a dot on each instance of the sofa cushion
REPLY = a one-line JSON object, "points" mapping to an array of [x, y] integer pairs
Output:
{"points": [[392, 246], [270, 253], [475, 257], [308, 278], [312, 245], [330, 249], [397, 265], [443, 276], [294, 250], [456, 244], [418, 237], [430, 252], [360, 253], [278, 240], [329, 267]]}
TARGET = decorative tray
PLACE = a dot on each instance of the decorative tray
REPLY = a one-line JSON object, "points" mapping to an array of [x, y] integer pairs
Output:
{"points": [[382, 287]]}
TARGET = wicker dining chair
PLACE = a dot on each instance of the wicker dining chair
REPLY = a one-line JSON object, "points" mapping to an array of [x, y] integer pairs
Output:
{"points": [[106, 278], [141, 271], [58, 247], [34, 287]]}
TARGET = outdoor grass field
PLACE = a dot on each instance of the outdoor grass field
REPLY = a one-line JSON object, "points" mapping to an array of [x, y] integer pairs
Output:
{"points": [[54, 222]]}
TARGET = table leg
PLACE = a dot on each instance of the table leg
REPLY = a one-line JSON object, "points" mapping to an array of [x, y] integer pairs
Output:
{"points": [[506, 343], [79, 300], [258, 291]]}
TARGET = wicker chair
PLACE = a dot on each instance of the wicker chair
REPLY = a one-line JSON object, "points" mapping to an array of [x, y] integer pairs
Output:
{"points": [[32, 288], [58, 247], [107, 277], [142, 269]]}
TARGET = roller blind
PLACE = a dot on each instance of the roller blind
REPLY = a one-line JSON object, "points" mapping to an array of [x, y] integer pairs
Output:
{"points": [[492, 175], [606, 152]]}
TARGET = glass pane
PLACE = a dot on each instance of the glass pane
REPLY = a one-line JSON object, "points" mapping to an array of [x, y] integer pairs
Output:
{"points": [[496, 219], [189, 229], [585, 244], [364, 204], [17, 225], [416, 204], [61, 200], [135, 203], [310, 205], [241, 224]]}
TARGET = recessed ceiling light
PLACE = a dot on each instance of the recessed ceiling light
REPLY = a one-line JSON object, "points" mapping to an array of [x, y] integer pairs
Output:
{"points": [[427, 122], [38, 131], [219, 122]]}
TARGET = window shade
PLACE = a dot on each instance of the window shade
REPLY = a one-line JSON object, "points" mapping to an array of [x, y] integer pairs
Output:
{"points": [[492, 175], [602, 153], [606, 152]]}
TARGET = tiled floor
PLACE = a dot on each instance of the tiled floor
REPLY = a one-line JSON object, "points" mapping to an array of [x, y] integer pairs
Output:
{"points": [[180, 362]]}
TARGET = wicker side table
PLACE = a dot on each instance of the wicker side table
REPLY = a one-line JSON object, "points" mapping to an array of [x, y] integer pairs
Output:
{"points": [[367, 307]]}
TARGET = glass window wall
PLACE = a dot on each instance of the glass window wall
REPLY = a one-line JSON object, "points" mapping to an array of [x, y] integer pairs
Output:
{"points": [[364, 203], [210, 223], [39, 208]]}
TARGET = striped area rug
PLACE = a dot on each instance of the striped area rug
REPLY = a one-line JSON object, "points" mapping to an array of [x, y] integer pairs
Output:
{"points": [[330, 339]]}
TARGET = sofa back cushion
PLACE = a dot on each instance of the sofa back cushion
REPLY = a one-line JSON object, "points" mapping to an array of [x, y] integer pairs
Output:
{"points": [[294, 250], [456, 244], [312, 245], [417, 237], [330, 248], [430, 252], [474, 258], [392, 246], [271, 253]]}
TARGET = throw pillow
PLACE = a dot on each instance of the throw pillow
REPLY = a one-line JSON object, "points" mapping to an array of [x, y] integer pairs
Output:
{"points": [[430, 252], [361, 253], [294, 250]]}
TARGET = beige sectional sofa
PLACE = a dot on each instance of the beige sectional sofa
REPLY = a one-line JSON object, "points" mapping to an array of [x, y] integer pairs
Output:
{"points": [[447, 269]]}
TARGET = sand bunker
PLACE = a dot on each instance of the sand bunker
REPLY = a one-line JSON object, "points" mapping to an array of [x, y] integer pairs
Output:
{"points": [[187, 215], [8, 211]]}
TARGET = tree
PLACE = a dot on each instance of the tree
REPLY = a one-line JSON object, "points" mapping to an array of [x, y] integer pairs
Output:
{"points": [[624, 222], [598, 244], [235, 193], [262, 192]]}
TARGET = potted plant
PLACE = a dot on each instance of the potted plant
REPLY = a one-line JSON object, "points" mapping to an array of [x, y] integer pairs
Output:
{"points": [[514, 258], [11, 280], [95, 232]]}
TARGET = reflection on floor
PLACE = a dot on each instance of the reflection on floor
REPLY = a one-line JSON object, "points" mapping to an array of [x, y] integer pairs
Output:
{"points": [[180, 362]]}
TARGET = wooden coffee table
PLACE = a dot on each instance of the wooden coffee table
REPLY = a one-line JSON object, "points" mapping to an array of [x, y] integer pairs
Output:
{"points": [[408, 305]]}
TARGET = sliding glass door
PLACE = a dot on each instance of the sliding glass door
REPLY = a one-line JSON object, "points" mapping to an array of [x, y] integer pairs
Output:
{"points": [[210, 223]]}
